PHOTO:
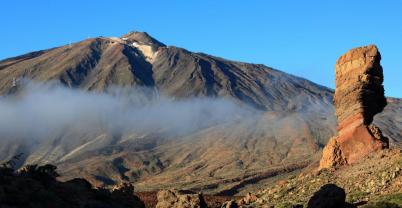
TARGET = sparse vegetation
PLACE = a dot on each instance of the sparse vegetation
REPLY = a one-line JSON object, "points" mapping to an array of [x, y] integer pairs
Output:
{"points": [[387, 201], [375, 181]]}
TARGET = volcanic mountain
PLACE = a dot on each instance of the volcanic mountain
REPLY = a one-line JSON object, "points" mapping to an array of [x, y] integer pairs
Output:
{"points": [[294, 116]]}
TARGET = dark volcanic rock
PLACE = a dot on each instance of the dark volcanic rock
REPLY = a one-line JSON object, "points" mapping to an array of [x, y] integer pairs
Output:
{"points": [[36, 186], [329, 196]]}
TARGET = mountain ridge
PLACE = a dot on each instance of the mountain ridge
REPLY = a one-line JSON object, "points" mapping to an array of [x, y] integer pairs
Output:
{"points": [[134, 70]]}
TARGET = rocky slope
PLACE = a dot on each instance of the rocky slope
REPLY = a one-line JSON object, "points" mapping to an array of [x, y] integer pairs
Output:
{"points": [[377, 178], [389, 120], [137, 59], [295, 117]]}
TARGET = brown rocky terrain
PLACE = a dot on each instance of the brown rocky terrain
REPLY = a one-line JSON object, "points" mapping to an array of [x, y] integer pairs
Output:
{"points": [[213, 201], [359, 95], [295, 117], [176, 199], [373, 181]]}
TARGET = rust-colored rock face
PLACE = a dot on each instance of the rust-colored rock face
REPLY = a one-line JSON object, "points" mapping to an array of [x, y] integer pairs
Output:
{"points": [[359, 95], [359, 87]]}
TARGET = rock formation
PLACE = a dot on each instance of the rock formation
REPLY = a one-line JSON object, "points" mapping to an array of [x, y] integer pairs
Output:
{"points": [[179, 199], [359, 95]]}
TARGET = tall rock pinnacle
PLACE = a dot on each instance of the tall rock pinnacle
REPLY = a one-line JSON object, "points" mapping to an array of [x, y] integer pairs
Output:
{"points": [[359, 95]]}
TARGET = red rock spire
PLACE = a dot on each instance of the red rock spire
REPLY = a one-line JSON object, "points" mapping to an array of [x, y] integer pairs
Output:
{"points": [[359, 95]]}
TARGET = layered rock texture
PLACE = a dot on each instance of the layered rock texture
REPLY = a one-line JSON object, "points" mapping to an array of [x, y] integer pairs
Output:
{"points": [[359, 95]]}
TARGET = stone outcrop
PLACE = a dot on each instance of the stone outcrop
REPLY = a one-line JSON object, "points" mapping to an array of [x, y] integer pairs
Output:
{"points": [[179, 199], [359, 95]]}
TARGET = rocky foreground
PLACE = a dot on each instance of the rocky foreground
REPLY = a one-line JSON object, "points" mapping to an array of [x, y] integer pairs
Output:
{"points": [[36, 187], [374, 181], [377, 178]]}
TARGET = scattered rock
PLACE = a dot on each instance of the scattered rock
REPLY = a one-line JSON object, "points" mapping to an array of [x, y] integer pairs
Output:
{"points": [[249, 198], [179, 199], [230, 204], [282, 182], [367, 180]]}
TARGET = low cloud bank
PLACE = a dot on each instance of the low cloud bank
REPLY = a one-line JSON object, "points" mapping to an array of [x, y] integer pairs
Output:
{"points": [[40, 109]]}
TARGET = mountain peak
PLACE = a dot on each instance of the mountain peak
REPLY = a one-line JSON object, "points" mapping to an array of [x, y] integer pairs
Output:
{"points": [[142, 38]]}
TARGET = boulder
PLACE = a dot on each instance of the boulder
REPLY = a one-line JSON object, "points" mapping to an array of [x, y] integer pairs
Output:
{"points": [[179, 199], [359, 95], [332, 154], [329, 196]]}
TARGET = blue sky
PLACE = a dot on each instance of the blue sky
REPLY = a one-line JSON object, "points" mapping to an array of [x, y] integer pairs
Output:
{"points": [[299, 37]]}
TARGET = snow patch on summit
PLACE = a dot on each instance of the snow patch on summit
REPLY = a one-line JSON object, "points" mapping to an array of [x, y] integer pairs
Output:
{"points": [[146, 50]]}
